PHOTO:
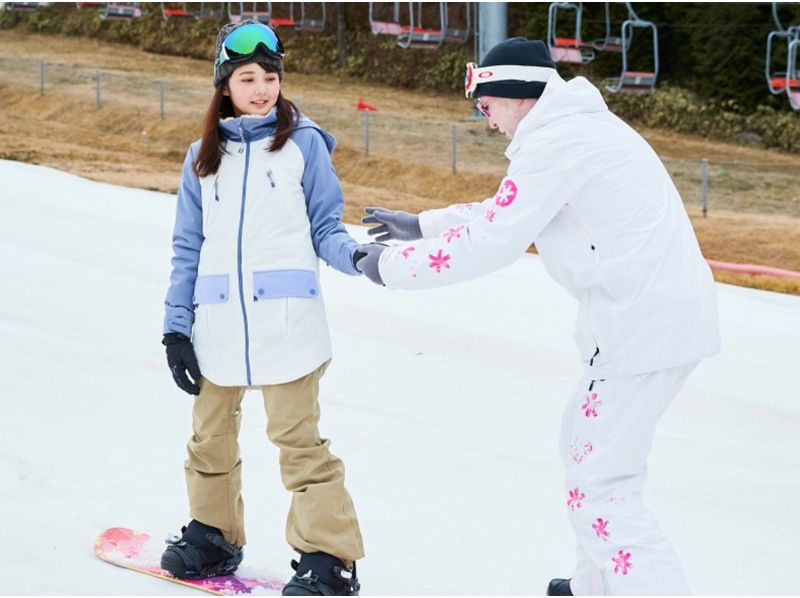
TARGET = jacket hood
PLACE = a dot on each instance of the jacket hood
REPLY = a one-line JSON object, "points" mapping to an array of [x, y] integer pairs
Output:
{"points": [[560, 98], [250, 127]]}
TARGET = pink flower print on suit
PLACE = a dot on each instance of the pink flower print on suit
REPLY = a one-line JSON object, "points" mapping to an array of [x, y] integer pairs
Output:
{"points": [[490, 214], [600, 528], [506, 194], [406, 253], [439, 261], [622, 562], [591, 405], [579, 450], [575, 498], [453, 233]]}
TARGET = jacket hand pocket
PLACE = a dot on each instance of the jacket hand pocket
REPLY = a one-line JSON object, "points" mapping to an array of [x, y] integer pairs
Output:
{"points": [[270, 284], [211, 289]]}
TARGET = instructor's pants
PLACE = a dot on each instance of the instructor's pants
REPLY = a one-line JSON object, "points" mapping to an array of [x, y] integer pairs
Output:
{"points": [[606, 437], [321, 517]]}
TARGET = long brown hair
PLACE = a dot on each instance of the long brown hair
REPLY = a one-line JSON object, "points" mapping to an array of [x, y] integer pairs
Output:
{"points": [[211, 149]]}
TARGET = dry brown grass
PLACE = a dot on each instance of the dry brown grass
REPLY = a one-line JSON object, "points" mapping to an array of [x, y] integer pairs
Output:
{"points": [[125, 142]]}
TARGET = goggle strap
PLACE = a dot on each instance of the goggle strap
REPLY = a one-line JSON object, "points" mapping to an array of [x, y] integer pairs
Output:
{"points": [[506, 72]]}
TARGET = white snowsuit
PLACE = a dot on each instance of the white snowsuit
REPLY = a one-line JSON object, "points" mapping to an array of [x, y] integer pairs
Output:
{"points": [[611, 228]]}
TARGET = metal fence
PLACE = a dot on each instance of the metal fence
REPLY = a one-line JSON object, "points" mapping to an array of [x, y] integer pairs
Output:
{"points": [[461, 145]]}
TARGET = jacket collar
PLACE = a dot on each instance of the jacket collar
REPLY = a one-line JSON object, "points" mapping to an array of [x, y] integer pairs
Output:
{"points": [[560, 98], [249, 127]]}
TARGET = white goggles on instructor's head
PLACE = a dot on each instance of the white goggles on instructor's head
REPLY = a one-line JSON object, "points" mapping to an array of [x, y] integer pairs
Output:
{"points": [[505, 72]]}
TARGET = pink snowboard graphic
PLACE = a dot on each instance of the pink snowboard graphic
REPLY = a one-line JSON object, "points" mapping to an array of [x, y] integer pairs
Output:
{"points": [[139, 552]]}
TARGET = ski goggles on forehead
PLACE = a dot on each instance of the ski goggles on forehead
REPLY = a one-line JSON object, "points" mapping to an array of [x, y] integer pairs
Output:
{"points": [[506, 72], [244, 41]]}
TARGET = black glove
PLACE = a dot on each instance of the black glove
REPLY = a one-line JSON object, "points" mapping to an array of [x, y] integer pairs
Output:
{"points": [[181, 357]]}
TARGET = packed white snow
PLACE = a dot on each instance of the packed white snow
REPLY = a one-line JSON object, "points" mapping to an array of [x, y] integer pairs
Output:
{"points": [[445, 406]]}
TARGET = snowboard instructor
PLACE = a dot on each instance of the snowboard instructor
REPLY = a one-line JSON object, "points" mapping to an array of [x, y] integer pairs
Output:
{"points": [[611, 228]]}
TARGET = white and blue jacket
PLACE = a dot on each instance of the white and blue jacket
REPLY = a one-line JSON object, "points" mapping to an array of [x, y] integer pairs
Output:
{"points": [[245, 272]]}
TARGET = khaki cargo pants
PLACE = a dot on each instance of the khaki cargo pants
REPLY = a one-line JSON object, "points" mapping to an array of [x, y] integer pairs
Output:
{"points": [[321, 517]]}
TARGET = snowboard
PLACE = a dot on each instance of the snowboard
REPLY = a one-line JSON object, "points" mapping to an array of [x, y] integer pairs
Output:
{"points": [[140, 552]]}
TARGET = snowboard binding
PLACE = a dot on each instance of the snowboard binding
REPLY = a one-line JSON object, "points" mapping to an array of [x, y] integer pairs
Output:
{"points": [[200, 552], [321, 574]]}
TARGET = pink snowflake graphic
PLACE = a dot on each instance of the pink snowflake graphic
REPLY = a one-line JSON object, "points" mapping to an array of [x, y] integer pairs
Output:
{"points": [[579, 450], [575, 498], [506, 194], [621, 562], [600, 528], [591, 405], [439, 261], [490, 214], [407, 251], [453, 233]]}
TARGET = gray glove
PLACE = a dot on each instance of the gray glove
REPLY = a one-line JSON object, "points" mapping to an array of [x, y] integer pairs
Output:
{"points": [[394, 225], [366, 260]]}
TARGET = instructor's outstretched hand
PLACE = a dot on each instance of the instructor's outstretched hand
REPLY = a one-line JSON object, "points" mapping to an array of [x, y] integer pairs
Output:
{"points": [[181, 357], [366, 261], [393, 225]]}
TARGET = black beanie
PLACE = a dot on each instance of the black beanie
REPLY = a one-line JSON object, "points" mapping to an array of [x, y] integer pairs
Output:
{"points": [[516, 51]]}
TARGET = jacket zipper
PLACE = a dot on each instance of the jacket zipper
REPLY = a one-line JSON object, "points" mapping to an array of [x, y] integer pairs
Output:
{"points": [[246, 148], [588, 237]]}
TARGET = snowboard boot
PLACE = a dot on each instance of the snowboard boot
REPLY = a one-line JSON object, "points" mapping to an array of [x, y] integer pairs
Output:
{"points": [[559, 587], [200, 552], [321, 574]]}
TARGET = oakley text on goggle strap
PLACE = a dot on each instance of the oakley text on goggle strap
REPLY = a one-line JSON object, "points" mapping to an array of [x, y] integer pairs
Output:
{"points": [[244, 41], [505, 72]]}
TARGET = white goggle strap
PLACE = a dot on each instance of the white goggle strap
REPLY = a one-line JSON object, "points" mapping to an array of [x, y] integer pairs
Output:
{"points": [[505, 72]]}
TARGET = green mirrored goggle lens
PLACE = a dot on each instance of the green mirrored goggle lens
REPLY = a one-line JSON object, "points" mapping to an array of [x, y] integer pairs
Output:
{"points": [[244, 40]]}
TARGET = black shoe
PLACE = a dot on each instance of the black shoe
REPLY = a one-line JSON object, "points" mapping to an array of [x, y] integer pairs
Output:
{"points": [[201, 552], [321, 574], [559, 587]]}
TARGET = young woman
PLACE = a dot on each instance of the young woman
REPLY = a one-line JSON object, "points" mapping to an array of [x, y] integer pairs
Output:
{"points": [[259, 203]]}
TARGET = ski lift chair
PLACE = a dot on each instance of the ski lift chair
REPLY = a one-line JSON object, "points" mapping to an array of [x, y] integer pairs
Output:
{"points": [[609, 43], [792, 80], [419, 36], [570, 50], [121, 12], [410, 35], [175, 11], [635, 81], [383, 25], [282, 21], [211, 14], [457, 35], [311, 22], [24, 6], [258, 11]]}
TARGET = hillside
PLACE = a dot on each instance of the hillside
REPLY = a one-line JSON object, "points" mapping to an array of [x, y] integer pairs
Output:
{"points": [[754, 210]]}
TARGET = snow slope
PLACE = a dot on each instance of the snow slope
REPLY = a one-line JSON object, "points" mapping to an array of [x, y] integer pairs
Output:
{"points": [[445, 406]]}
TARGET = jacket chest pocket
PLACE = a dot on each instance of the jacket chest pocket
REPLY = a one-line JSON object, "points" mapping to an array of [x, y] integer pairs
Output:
{"points": [[275, 192], [210, 200]]}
